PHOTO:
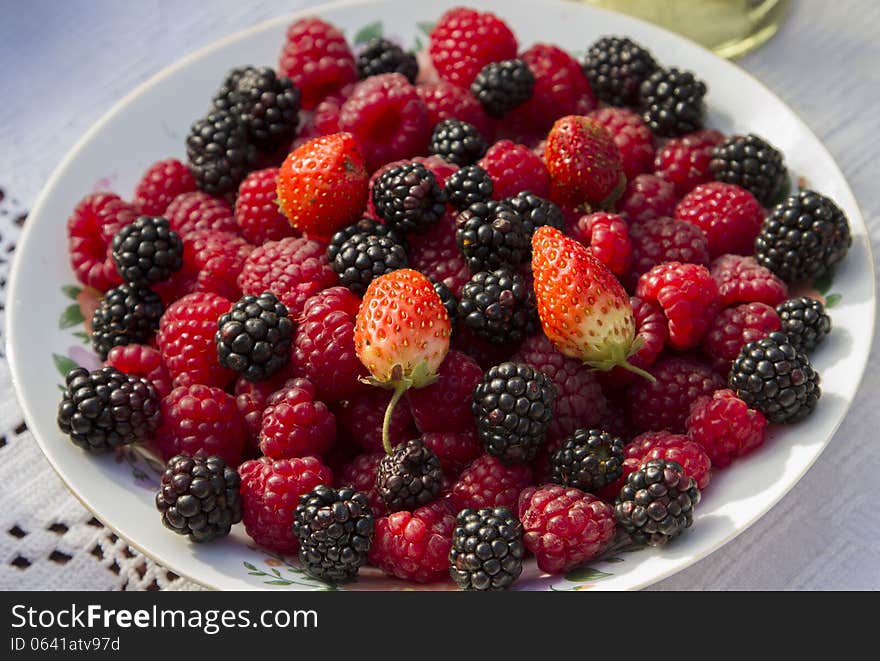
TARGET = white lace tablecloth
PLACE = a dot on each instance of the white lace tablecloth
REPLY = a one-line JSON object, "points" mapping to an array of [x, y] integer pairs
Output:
{"points": [[64, 64]]}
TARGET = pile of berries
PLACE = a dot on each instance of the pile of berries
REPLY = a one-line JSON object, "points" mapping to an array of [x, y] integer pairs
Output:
{"points": [[438, 319]]}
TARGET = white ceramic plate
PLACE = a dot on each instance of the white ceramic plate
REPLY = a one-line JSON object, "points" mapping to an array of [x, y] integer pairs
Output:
{"points": [[151, 123]]}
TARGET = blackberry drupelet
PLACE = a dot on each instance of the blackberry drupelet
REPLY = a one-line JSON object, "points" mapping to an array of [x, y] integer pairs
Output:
{"points": [[751, 163], [409, 198], [671, 101], [450, 302], [381, 56], [147, 251], [335, 531], [104, 409], [498, 306], [502, 86], [487, 549], [467, 186], [491, 235], [253, 338], [409, 477], [616, 67], [512, 405], [199, 497], [770, 375], [588, 460], [127, 314], [657, 502], [804, 237], [536, 211], [804, 321], [219, 152], [363, 226], [457, 142], [363, 257]]}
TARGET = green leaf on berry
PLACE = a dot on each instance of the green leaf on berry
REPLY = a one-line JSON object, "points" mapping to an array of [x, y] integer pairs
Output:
{"points": [[72, 316], [584, 574], [71, 291], [832, 299], [823, 283], [371, 31], [82, 335], [63, 364], [426, 27], [418, 45]]}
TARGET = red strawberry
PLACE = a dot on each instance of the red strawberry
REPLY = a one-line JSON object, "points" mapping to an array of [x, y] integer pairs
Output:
{"points": [[322, 185], [401, 334], [584, 310], [585, 164]]}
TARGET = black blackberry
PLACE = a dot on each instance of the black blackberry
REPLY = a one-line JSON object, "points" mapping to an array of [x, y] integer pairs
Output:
{"points": [[381, 56], [491, 235], [147, 251], [502, 86], [335, 530], [457, 142], [752, 163], [616, 67], [450, 302], [199, 497], [253, 338], [498, 306], [363, 257], [220, 152], [804, 321], [409, 477], [804, 237], [467, 186], [770, 375], [512, 405], [267, 105], [104, 409], [536, 211], [408, 198], [363, 226], [588, 460], [126, 315], [672, 102], [487, 549], [657, 502]]}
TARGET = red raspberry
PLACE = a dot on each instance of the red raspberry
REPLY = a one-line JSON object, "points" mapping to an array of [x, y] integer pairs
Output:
{"points": [[317, 59], [160, 184], [742, 280], [666, 403], [689, 298], [294, 424], [514, 168], [362, 417], [251, 398], [730, 217], [653, 328], [435, 253], [294, 269], [646, 198], [464, 41], [199, 211], [360, 474], [90, 230], [564, 527], [256, 209], [725, 427], [325, 337], [487, 482], [454, 449], [186, 340], [735, 327], [445, 405], [686, 453], [387, 118], [684, 161], [216, 258], [634, 452], [414, 545], [143, 361], [270, 492], [201, 419], [324, 120], [484, 352], [665, 240], [607, 237], [632, 137], [579, 400], [447, 101]]}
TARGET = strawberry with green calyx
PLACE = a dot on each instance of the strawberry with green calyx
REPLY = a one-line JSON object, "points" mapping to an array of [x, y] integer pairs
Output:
{"points": [[401, 335], [584, 309]]}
